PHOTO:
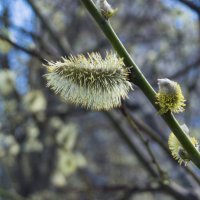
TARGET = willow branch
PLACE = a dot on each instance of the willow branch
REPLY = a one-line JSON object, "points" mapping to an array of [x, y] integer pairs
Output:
{"points": [[138, 79]]}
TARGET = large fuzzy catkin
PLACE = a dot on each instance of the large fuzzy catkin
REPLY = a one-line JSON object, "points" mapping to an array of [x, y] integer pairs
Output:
{"points": [[91, 82]]}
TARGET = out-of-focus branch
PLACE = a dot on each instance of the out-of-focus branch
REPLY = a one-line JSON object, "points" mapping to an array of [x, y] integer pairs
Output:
{"points": [[133, 147], [22, 30], [17, 46], [191, 5], [173, 189], [135, 128], [10, 195], [150, 132], [55, 37], [186, 69], [183, 71], [33, 35]]}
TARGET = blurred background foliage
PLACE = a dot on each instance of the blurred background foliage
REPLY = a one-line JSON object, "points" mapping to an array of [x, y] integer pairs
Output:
{"points": [[50, 150]]}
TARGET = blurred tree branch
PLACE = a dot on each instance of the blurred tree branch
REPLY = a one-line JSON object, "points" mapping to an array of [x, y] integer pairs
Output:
{"points": [[17, 46], [145, 141], [42, 46], [55, 37], [10, 195], [194, 65], [191, 5]]}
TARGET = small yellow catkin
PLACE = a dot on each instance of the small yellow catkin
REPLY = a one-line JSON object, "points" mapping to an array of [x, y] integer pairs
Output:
{"points": [[106, 9], [169, 96], [91, 82], [177, 150]]}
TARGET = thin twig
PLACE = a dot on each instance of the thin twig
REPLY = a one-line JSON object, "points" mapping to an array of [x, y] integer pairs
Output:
{"points": [[133, 147], [194, 65], [17, 46], [144, 141], [55, 37]]}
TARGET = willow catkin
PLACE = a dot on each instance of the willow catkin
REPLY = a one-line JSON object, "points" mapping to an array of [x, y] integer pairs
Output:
{"points": [[93, 82], [105, 9], [177, 150], [169, 96]]}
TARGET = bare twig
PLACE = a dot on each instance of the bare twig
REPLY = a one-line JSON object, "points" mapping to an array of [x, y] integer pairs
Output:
{"points": [[55, 37], [186, 69], [17, 46], [134, 126], [133, 147], [191, 5]]}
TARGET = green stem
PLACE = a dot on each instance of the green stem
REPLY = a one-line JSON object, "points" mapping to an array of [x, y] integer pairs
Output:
{"points": [[138, 79]]}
